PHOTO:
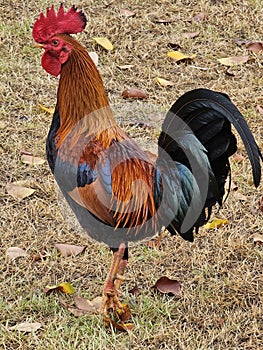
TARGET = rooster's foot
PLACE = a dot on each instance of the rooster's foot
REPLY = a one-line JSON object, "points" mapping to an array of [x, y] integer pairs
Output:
{"points": [[110, 301]]}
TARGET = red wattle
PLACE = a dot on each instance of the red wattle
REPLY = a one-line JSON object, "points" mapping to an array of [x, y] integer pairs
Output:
{"points": [[51, 64]]}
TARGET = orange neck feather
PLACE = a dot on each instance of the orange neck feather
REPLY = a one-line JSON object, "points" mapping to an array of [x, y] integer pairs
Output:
{"points": [[81, 97]]}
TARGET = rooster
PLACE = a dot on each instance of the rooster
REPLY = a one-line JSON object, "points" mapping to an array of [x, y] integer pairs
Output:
{"points": [[117, 191]]}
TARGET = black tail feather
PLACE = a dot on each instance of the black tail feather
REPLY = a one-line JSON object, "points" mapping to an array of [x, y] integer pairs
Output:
{"points": [[201, 106], [209, 115]]}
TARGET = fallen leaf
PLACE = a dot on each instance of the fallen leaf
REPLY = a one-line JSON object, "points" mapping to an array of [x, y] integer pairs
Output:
{"points": [[233, 61], [15, 252], [166, 285], [164, 82], [190, 35], [96, 302], [49, 110], [104, 42], [259, 109], [124, 327], [27, 158], [199, 17], [95, 58], [26, 326], [19, 192], [125, 313], [255, 47], [216, 223], [84, 304], [180, 56], [125, 66], [134, 93], [74, 310], [258, 238], [127, 13], [69, 249], [63, 287]]}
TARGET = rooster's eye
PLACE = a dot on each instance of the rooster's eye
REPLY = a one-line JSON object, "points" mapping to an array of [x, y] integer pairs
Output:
{"points": [[55, 42]]}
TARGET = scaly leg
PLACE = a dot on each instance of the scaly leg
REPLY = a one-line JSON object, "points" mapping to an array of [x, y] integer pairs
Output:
{"points": [[110, 292]]}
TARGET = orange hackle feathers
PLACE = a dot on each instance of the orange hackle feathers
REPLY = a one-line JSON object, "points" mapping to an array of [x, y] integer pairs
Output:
{"points": [[70, 22]]}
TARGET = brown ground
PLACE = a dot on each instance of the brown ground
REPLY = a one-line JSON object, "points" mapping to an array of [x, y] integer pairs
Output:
{"points": [[221, 272]]}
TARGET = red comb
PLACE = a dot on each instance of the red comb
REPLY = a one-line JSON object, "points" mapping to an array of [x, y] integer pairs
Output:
{"points": [[70, 22]]}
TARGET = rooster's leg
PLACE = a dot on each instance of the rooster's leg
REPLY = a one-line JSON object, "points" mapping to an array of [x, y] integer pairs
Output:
{"points": [[110, 293]]}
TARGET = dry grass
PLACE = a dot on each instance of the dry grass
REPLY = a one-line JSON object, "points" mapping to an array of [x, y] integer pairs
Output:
{"points": [[221, 272]]}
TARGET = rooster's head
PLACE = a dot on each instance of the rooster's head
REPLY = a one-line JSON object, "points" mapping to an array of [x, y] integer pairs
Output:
{"points": [[47, 32]]}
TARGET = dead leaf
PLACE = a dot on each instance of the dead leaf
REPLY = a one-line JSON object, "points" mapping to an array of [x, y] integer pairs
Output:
{"points": [[258, 238], [180, 56], [164, 82], [259, 109], [74, 310], [16, 252], [127, 13], [96, 302], [216, 223], [84, 304], [49, 110], [63, 287], [190, 35], [256, 47], [69, 249], [94, 56], [124, 327], [27, 158], [134, 93], [26, 327], [233, 61], [18, 192], [199, 17], [125, 313], [166, 285], [104, 42]]}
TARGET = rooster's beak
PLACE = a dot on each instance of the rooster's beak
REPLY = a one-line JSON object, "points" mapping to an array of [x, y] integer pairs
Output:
{"points": [[38, 46]]}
